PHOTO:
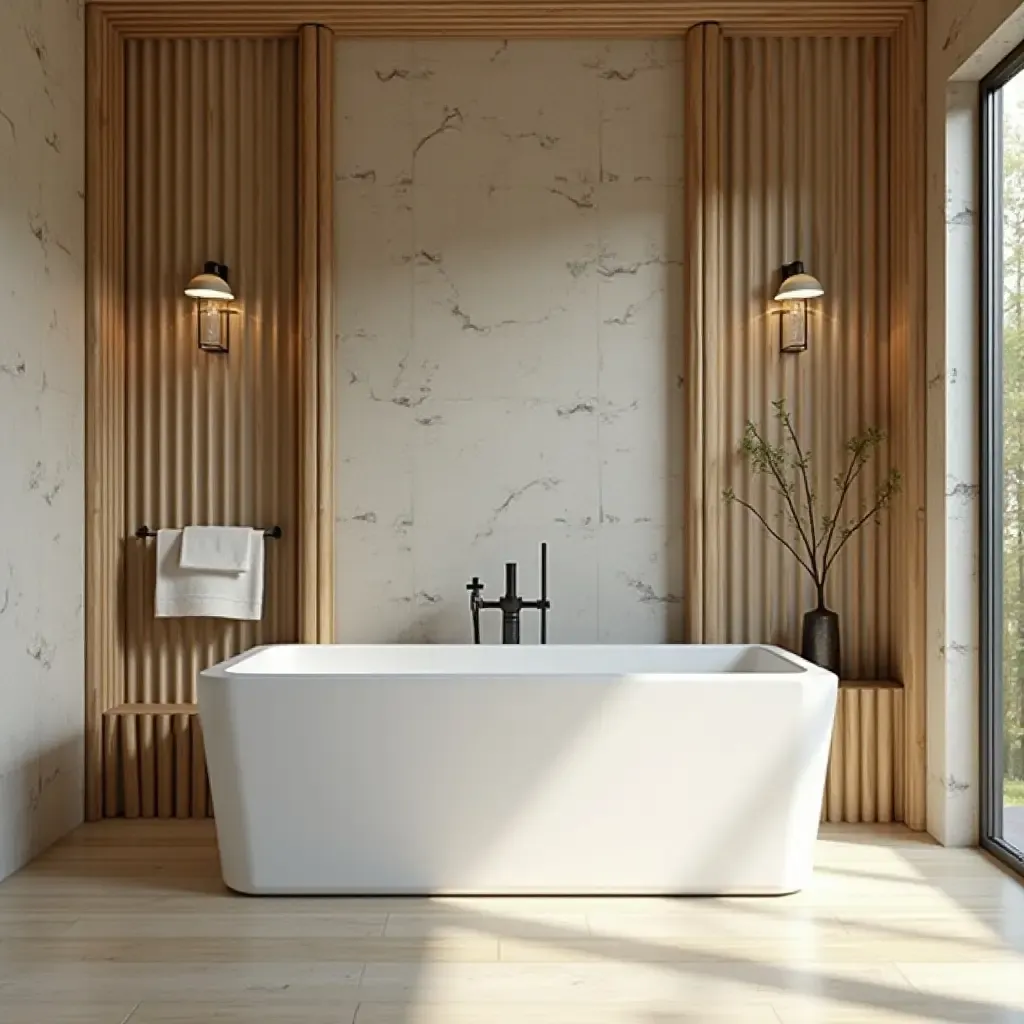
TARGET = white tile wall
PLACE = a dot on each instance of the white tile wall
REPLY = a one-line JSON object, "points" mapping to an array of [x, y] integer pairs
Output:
{"points": [[508, 233], [41, 408]]}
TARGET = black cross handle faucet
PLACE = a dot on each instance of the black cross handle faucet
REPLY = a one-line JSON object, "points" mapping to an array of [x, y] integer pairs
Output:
{"points": [[510, 604]]}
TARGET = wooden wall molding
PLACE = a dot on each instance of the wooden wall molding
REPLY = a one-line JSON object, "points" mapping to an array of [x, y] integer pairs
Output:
{"points": [[907, 368], [701, 242], [316, 314], [506, 18], [105, 391]]}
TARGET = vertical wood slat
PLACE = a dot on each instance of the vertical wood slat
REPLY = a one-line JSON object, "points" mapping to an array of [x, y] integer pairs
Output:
{"points": [[899, 766], [309, 350], [98, 130], [886, 740], [693, 305], [104, 406], [147, 759], [862, 782], [112, 768], [316, 286], [836, 764], [129, 727], [197, 777], [852, 748], [868, 755], [907, 368], [701, 283], [325, 355], [213, 438], [714, 342]]}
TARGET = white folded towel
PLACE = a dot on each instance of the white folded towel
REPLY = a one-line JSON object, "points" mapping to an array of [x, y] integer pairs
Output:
{"points": [[182, 592], [216, 548]]}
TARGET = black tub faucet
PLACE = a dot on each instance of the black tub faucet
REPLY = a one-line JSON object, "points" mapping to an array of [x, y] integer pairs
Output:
{"points": [[510, 603]]}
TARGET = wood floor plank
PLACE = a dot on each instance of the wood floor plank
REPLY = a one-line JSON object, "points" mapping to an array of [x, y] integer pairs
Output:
{"points": [[244, 1011], [550, 1013], [130, 922], [38, 1011]]}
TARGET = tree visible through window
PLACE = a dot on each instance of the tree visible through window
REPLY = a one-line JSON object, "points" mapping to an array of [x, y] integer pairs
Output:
{"points": [[1013, 458]]}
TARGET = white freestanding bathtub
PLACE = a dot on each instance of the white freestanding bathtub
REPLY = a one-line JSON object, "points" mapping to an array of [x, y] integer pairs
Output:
{"points": [[516, 769]]}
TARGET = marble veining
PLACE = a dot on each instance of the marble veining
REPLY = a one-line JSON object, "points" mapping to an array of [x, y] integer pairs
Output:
{"points": [[508, 293], [41, 404], [955, 30]]}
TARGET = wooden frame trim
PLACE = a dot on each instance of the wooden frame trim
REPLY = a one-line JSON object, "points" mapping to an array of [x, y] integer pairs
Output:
{"points": [[104, 395], [325, 340], [316, 290], [701, 128], [702, 301], [712, 390], [908, 373], [506, 18]]}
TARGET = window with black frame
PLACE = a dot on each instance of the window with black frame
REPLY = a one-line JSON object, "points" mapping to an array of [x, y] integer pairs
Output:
{"points": [[1002, 741]]}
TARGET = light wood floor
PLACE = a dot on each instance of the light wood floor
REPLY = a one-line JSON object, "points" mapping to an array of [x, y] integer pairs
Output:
{"points": [[129, 922]]}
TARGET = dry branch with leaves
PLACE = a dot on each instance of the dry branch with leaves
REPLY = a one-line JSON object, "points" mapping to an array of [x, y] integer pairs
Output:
{"points": [[819, 535]]}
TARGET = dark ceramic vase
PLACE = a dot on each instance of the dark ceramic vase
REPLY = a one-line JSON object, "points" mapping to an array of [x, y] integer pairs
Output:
{"points": [[821, 639]]}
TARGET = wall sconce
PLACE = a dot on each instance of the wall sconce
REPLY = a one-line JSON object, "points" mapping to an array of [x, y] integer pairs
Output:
{"points": [[797, 287], [212, 293]]}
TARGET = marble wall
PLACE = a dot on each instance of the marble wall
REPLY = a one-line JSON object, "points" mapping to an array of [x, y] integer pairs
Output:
{"points": [[964, 41], [508, 228], [41, 409], [954, 530]]}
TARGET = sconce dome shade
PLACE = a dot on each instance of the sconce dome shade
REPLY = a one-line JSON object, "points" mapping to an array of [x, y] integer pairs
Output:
{"points": [[210, 284], [799, 286]]}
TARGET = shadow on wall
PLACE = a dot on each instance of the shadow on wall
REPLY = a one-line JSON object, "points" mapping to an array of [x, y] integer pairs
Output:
{"points": [[40, 799]]}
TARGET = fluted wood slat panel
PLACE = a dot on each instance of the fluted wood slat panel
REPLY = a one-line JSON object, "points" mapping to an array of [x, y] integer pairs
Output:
{"points": [[805, 175], [862, 780], [187, 787], [211, 143], [104, 407], [490, 18]]}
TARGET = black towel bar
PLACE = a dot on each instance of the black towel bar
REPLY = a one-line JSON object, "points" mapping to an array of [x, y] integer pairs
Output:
{"points": [[273, 532]]}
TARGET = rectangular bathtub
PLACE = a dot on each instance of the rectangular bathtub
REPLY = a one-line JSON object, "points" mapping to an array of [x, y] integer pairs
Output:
{"points": [[516, 769]]}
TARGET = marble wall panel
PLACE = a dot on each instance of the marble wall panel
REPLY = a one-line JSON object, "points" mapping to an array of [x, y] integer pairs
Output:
{"points": [[508, 228]]}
